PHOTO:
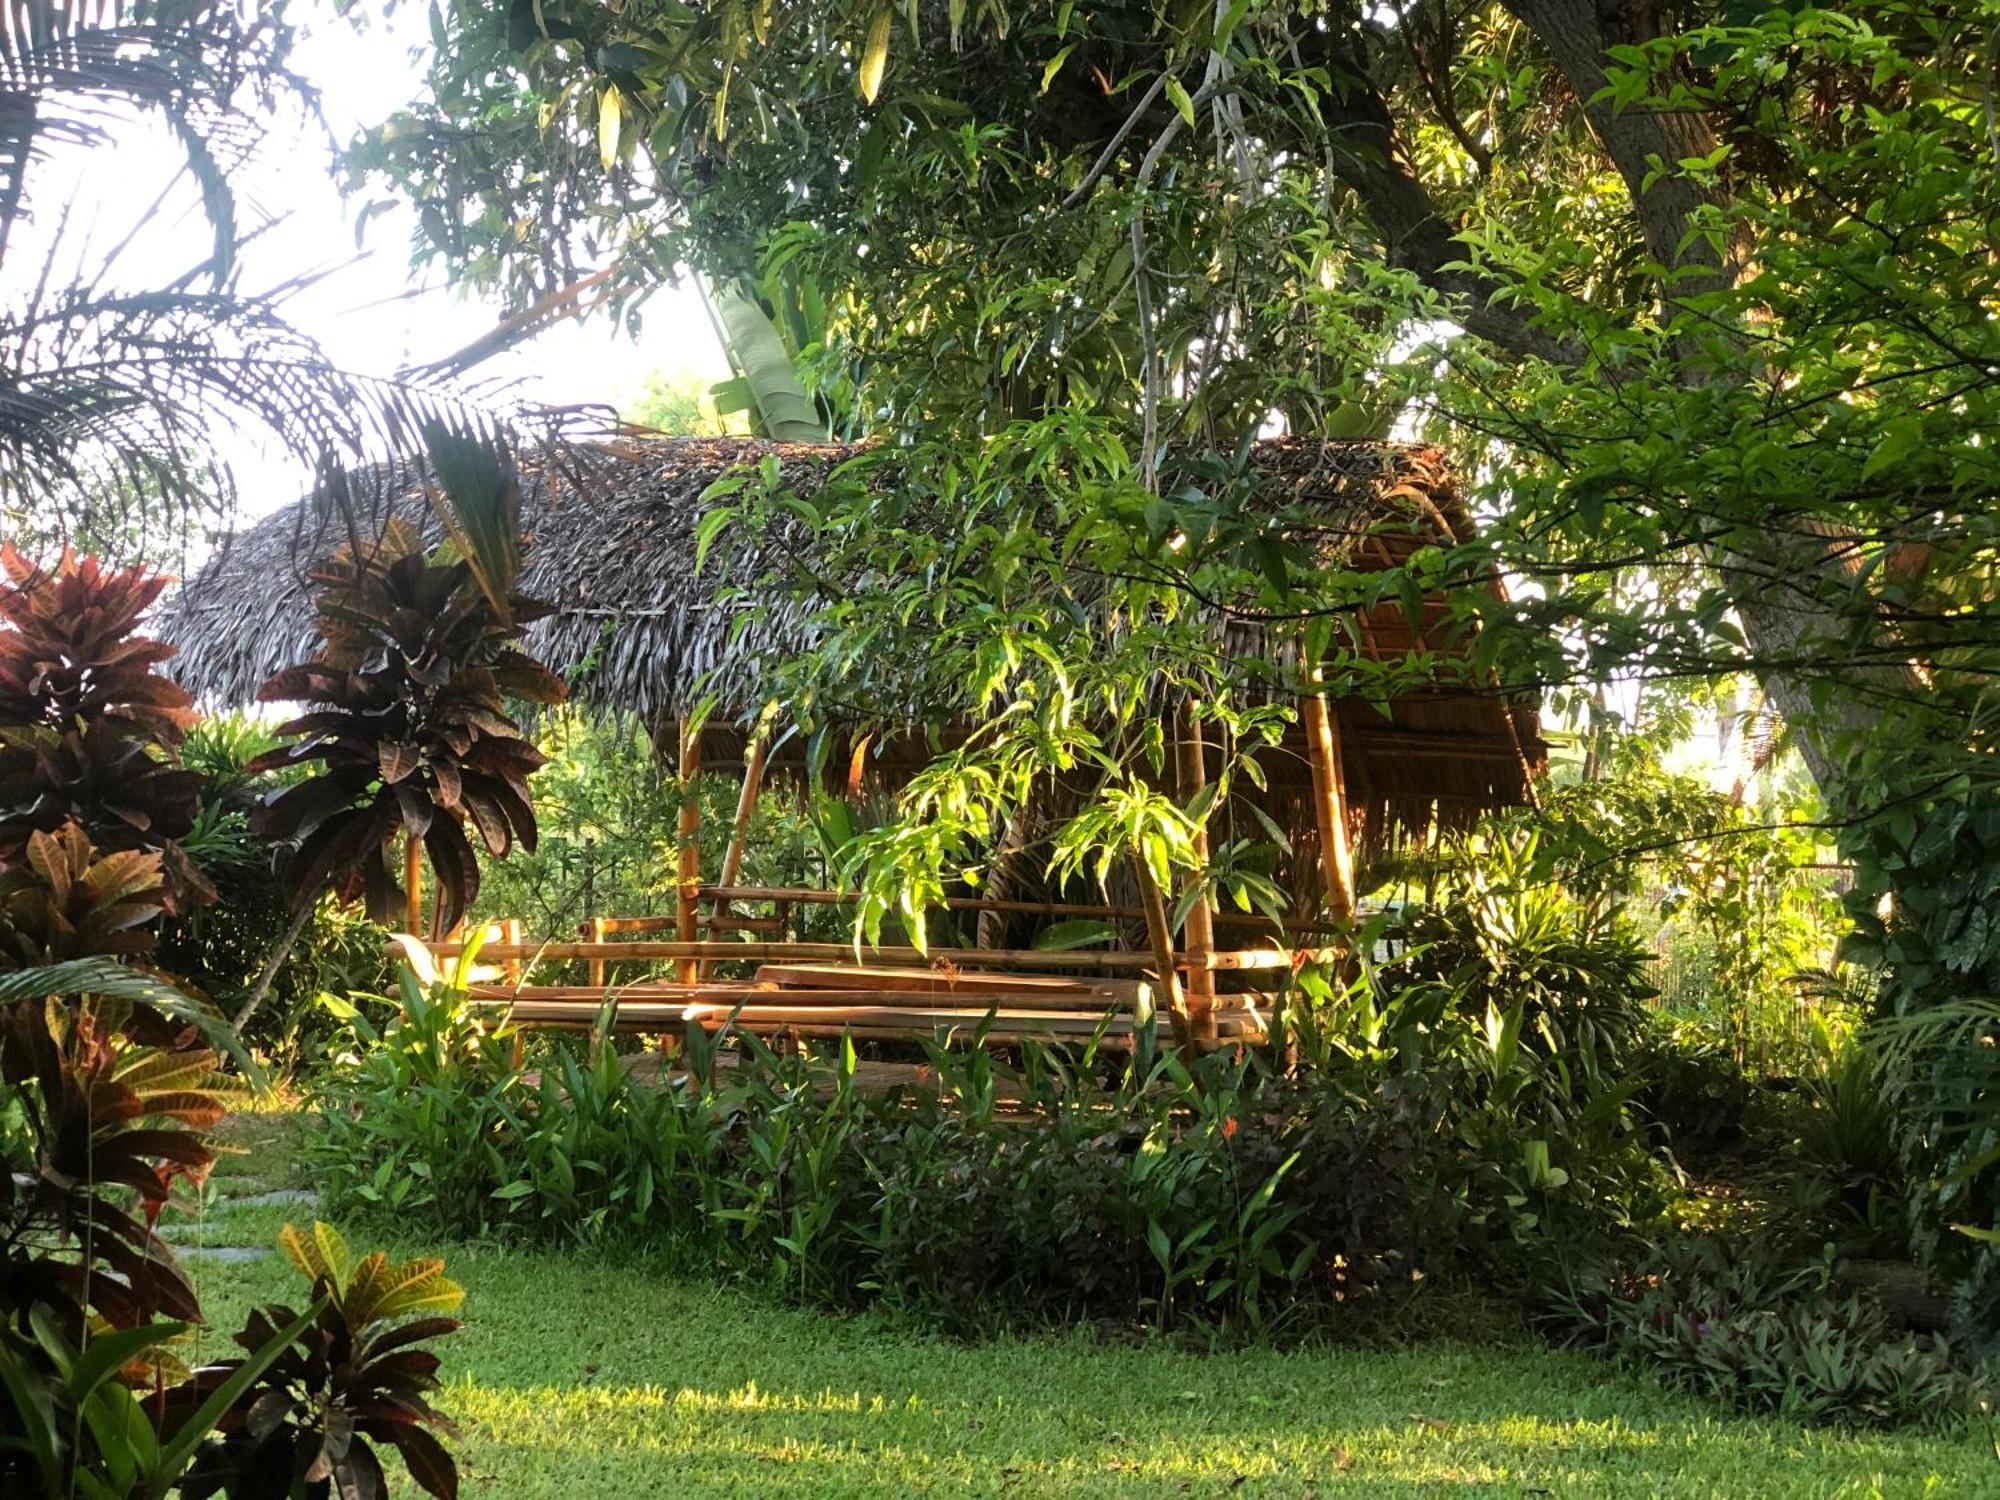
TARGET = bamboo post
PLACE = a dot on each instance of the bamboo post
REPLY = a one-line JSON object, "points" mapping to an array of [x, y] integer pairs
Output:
{"points": [[1191, 772], [593, 930], [510, 932], [1161, 936], [1330, 807], [746, 799], [746, 807], [687, 829], [413, 884]]}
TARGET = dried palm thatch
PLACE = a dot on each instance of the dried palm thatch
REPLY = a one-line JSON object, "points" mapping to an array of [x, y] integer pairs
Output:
{"points": [[634, 627]]}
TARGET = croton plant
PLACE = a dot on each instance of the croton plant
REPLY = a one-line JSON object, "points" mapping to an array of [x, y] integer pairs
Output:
{"points": [[109, 1087], [89, 728], [409, 726]]}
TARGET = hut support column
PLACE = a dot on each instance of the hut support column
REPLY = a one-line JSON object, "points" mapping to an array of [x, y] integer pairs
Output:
{"points": [[1330, 806], [687, 829], [1191, 772]]}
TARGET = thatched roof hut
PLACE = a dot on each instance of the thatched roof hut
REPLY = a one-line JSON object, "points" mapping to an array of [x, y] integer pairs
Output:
{"points": [[639, 632]]}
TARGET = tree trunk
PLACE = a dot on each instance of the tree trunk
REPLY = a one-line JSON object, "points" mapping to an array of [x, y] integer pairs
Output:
{"points": [[261, 990], [1784, 589]]}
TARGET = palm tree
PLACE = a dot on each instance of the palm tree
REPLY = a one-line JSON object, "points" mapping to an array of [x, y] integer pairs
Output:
{"points": [[114, 399]]}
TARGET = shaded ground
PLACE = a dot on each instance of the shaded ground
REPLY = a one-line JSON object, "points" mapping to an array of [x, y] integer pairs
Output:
{"points": [[582, 1377]]}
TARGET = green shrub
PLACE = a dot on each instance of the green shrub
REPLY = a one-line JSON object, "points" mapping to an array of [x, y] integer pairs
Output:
{"points": [[1737, 1326], [1555, 989], [1209, 1196], [1693, 1092]]}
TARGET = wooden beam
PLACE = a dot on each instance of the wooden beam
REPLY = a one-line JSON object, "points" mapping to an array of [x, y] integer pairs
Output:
{"points": [[766, 997], [687, 830], [913, 980], [654, 1018], [985, 958], [806, 896], [1330, 807], [1198, 937], [594, 931]]}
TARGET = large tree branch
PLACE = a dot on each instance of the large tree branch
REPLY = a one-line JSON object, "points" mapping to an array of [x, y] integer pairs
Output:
{"points": [[1577, 34], [1368, 157]]}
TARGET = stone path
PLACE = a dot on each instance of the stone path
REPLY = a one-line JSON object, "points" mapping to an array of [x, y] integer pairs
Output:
{"points": [[178, 1234]]}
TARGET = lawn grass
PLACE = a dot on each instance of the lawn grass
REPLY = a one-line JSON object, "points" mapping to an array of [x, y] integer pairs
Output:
{"points": [[581, 1376]]}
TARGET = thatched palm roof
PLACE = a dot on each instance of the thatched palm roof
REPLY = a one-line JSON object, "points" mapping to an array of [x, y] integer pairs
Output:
{"points": [[638, 632]]}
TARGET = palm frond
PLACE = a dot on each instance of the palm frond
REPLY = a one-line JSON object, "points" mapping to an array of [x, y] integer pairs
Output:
{"points": [[107, 977], [69, 72]]}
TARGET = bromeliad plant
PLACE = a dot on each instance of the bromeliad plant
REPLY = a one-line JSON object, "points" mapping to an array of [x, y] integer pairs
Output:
{"points": [[89, 729], [410, 729]]}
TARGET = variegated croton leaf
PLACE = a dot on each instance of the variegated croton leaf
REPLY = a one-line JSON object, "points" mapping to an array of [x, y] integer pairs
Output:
{"points": [[409, 727], [355, 1378]]}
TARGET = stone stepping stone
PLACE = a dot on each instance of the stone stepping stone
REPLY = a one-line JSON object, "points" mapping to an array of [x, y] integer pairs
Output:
{"points": [[299, 1196], [229, 1254]]}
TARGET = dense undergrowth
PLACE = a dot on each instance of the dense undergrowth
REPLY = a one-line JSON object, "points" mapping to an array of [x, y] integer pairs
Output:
{"points": [[1443, 1133]]}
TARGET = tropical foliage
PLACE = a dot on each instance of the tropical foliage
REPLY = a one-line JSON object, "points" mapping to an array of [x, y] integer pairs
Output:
{"points": [[108, 1088], [88, 725], [410, 729]]}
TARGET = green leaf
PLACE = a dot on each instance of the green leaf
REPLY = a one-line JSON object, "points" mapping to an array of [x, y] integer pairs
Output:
{"points": [[783, 410], [1079, 932], [610, 121], [1178, 97], [179, 1450], [1054, 66], [875, 54], [1901, 436], [108, 1353]]}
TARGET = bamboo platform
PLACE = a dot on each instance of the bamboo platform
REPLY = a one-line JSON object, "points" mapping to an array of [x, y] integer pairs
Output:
{"points": [[865, 1013], [817, 990]]}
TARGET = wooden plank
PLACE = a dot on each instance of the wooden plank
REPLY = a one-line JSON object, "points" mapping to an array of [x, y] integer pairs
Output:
{"points": [[991, 958], [909, 1017], [936, 981], [1119, 1033], [725, 995]]}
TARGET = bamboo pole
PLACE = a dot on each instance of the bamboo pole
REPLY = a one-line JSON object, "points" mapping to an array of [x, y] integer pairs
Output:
{"points": [[981, 958], [746, 800], [1330, 807], [594, 930], [1191, 772], [746, 807], [1164, 963], [687, 830], [510, 933], [413, 884]]}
